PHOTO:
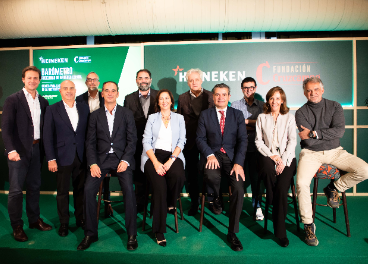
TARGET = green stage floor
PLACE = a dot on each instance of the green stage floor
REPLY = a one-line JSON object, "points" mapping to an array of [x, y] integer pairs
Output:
{"points": [[190, 246]]}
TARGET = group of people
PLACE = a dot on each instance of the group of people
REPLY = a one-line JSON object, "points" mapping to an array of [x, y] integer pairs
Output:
{"points": [[91, 136]]}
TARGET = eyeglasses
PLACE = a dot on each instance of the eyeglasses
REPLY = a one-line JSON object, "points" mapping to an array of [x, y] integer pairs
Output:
{"points": [[92, 80], [249, 88]]}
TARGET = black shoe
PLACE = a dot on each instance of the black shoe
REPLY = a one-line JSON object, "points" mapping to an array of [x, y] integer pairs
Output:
{"points": [[81, 223], [236, 245], [86, 242], [63, 230], [171, 211], [19, 234], [108, 210], [193, 210], [284, 242], [132, 243], [215, 206], [40, 225], [333, 198], [160, 239]]}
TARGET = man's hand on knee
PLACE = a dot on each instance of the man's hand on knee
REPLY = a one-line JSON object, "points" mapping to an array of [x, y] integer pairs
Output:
{"points": [[238, 172], [212, 163]]}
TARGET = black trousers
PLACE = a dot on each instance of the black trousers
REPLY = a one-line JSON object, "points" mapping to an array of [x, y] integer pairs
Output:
{"points": [[250, 163], [28, 170], [213, 179], [77, 171], [277, 189], [90, 192], [165, 189], [191, 172]]}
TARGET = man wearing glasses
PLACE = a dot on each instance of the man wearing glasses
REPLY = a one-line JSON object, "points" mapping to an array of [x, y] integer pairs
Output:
{"points": [[251, 108], [94, 100]]}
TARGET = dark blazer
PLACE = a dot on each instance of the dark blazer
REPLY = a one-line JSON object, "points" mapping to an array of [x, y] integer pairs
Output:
{"points": [[60, 140], [132, 102], [191, 120], [123, 139], [17, 124], [83, 98], [209, 138]]}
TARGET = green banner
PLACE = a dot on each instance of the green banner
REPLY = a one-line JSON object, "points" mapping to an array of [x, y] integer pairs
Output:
{"points": [[284, 64]]}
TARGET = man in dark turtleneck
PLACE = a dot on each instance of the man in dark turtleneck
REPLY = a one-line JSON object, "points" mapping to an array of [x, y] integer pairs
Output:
{"points": [[321, 124]]}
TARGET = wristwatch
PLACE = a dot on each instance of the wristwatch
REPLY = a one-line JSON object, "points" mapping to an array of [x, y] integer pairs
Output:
{"points": [[311, 134]]}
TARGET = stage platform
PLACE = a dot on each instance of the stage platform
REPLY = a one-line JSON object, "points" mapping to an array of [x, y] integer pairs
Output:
{"points": [[189, 246]]}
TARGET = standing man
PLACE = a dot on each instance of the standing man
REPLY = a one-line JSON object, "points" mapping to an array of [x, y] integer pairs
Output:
{"points": [[22, 122], [251, 108], [190, 105], [64, 136], [321, 124], [110, 146], [141, 103], [222, 141], [94, 100]]}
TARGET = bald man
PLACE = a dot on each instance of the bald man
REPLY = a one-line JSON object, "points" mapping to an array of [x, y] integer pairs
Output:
{"points": [[63, 136]]}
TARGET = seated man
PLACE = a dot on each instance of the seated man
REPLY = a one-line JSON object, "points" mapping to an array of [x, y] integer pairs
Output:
{"points": [[110, 146], [321, 124], [222, 139]]}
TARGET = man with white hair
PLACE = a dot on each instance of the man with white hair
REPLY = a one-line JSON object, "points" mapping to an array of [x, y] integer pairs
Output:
{"points": [[190, 105], [321, 124]]}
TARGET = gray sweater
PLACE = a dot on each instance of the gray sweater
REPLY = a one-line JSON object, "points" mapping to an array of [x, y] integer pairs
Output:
{"points": [[327, 119]]}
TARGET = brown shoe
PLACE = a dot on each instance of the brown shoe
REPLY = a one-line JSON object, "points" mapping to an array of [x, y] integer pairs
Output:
{"points": [[19, 234], [40, 225]]}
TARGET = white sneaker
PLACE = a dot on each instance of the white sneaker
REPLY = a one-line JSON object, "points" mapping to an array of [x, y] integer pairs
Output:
{"points": [[259, 214]]}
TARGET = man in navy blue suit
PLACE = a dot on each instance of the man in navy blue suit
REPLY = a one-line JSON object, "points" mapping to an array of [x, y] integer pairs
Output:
{"points": [[63, 136], [222, 140], [110, 146], [22, 123]]}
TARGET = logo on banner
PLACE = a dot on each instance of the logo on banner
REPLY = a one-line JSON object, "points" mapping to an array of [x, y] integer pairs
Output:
{"points": [[82, 59], [55, 60], [213, 76], [285, 73]]}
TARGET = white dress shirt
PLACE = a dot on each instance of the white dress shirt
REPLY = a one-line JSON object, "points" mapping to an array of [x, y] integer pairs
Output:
{"points": [[164, 138], [93, 103], [73, 114], [219, 115], [35, 108]]}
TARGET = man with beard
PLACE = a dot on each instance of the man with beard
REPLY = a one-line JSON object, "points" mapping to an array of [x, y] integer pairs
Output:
{"points": [[94, 100], [141, 103]]}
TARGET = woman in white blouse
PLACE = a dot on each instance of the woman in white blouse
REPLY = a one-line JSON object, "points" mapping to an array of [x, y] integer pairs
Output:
{"points": [[163, 161], [276, 141]]}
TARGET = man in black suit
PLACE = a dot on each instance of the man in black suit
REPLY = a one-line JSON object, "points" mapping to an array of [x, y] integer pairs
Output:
{"points": [[94, 100], [22, 122], [141, 103], [64, 134], [222, 140], [110, 146], [190, 105]]}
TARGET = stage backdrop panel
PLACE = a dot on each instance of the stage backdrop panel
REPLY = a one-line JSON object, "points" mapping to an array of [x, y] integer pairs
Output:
{"points": [[118, 64], [283, 64], [362, 72]]}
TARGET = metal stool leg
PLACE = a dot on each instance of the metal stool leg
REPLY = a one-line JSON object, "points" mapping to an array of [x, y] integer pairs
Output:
{"points": [[295, 205], [145, 207], [99, 200], [346, 214], [181, 209], [202, 206], [266, 215]]}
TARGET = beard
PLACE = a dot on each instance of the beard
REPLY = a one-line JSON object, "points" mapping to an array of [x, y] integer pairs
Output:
{"points": [[144, 86]]}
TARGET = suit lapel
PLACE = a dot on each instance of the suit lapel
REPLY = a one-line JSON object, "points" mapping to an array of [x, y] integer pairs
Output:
{"points": [[102, 102], [24, 103], [151, 108], [64, 115], [138, 103], [103, 119], [204, 101], [117, 120], [215, 120]]}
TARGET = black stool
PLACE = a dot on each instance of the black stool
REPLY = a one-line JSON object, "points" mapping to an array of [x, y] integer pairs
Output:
{"points": [[327, 171], [100, 197], [145, 210], [292, 186]]}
